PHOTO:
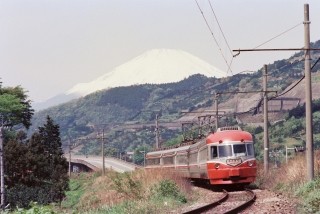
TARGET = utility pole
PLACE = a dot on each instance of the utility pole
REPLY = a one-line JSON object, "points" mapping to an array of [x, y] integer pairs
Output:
{"points": [[265, 120], [216, 109], [102, 152], [69, 158], [307, 73], [157, 132], [308, 89], [2, 169]]}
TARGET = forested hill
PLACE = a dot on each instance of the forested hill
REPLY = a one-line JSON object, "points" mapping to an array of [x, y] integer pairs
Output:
{"points": [[140, 103]]}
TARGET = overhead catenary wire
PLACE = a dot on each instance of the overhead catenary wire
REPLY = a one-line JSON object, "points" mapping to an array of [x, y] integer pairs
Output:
{"points": [[282, 33], [214, 38], [224, 37], [283, 93]]}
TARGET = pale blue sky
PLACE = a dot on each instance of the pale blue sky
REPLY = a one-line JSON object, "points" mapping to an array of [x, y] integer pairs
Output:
{"points": [[47, 46]]}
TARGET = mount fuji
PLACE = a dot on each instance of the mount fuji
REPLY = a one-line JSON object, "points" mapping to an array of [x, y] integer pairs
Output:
{"points": [[155, 67]]}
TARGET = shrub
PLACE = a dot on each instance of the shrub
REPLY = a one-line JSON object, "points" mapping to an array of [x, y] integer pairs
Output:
{"points": [[35, 209], [312, 202], [22, 196], [127, 186], [167, 188]]}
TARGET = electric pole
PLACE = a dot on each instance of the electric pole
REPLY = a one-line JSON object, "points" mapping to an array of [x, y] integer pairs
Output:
{"points": [[102, 152], [157, 132], [2, 169], [69, 158], [265, 120], [307, 73], [217, 113]]}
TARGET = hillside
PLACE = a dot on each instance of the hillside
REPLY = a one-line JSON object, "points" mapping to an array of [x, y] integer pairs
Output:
{"points": [[139, 104]]}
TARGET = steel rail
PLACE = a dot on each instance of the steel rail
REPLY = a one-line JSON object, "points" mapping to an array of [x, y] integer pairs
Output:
{"points": [[243, 205], [209, 206]]}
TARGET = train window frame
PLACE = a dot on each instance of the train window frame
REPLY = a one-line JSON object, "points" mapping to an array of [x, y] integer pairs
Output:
{"points": [[182, 159], [214, 152], [220, 147], [251, 149], [237, 154], [153, 161], [168, 160], [203, 154]]}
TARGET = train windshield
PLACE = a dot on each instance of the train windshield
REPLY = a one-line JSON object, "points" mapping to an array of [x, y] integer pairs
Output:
{"points": [[221, 151], [239, 149], [225, 151], [250, 150]]}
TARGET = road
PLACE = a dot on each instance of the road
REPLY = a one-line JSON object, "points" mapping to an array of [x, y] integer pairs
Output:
{"points": [[111, 163]]}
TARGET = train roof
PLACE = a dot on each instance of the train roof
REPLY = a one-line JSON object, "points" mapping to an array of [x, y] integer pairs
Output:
{"points": [[223, 135], [159, 152]]}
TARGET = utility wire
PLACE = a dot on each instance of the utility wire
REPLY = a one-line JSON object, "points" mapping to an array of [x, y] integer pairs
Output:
{"points": [[220, 27], [225, 39], [300, 23], [271, 98], [296, 82], [213, 35]]}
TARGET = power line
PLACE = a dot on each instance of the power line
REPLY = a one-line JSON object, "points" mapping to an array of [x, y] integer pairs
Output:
{"points": [[225, 39], [279, 34], [220, 27], [271, 98], [214, 38]]}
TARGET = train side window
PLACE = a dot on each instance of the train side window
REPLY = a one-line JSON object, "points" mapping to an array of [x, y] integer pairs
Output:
{"points": [[153, 161], [250, 149], [168, 160], [214, 152], [203, 154], [193, 157], [182, 159]]}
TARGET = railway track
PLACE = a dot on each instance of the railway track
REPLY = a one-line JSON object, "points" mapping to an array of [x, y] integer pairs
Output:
{"points": [[223, 204]]}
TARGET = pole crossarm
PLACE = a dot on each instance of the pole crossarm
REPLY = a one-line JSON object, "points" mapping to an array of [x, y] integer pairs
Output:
{"points": [[274, 49], [207, 111], [247, 92]]}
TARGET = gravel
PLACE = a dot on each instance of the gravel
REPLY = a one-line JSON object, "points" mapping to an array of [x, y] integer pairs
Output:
{"points": [[267, 202]]}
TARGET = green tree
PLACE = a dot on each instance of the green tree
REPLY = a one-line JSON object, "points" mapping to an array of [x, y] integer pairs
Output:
{"points": [[50, 138], [15, 108], [16, 168], [39, 172]]}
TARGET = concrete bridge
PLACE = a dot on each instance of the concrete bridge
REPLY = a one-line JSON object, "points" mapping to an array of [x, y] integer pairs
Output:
{"points": [[94, 163]]}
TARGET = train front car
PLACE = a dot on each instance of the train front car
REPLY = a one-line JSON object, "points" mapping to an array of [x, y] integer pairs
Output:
{"points": [[231, 158]]}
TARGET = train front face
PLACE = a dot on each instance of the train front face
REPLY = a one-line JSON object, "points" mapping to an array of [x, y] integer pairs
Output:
{"points": [[231, 158]]}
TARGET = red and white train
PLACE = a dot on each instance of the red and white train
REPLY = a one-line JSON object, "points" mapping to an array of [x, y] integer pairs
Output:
{"points": [[224, 157]]}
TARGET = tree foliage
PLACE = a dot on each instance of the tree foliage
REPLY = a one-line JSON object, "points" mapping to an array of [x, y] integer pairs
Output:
{"points": [[36, 170], [15, 108]]}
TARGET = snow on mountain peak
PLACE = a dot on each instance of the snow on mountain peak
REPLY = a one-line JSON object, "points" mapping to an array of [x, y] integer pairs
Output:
{"points": [[155, 66]]}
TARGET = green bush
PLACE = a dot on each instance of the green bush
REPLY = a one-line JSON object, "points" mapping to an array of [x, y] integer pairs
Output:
{"points": [[35, 209], [310, 194], [124, 184], [307, 188], [169, 189], [22, 196], [312, 202]]}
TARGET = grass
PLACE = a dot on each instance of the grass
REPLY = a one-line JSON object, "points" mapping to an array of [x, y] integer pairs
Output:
{"points": [[141, 191], [290, 179]]}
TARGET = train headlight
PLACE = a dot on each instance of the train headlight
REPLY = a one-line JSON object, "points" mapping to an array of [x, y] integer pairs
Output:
{"points": [[250, 163], [217, 165]]}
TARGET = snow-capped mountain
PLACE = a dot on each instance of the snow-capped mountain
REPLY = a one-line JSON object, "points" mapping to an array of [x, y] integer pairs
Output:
{"points": [[154, 66]]}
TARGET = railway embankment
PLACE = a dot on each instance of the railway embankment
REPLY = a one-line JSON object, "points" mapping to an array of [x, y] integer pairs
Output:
{"points": [[281, 190]]}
